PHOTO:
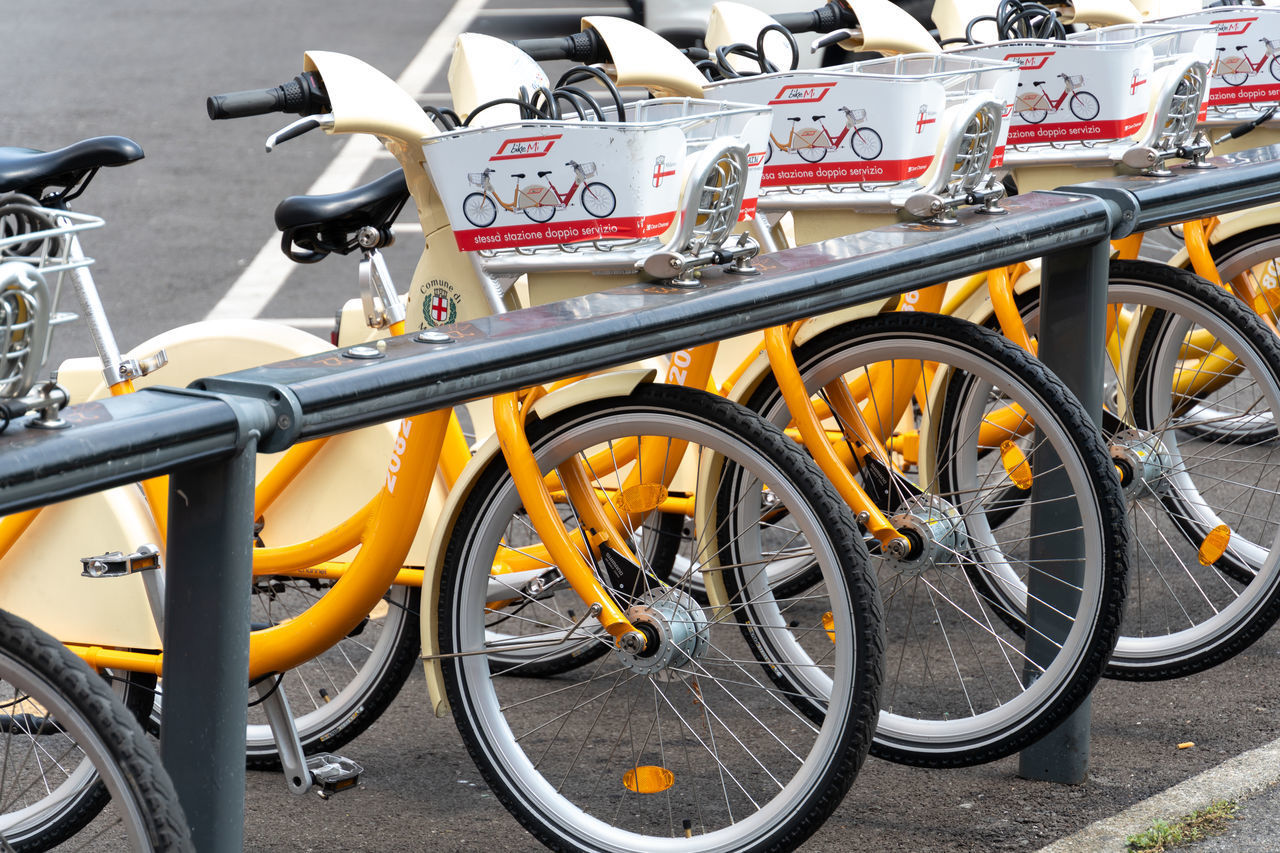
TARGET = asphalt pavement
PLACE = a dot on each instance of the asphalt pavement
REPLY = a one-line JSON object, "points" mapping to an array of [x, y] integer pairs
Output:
{"points": [[185, 223]]}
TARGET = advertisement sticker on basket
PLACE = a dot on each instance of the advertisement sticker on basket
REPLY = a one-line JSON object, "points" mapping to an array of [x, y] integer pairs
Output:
{"points": [[1245, 68], [548, 183], [840, 128], [1075, 92]]}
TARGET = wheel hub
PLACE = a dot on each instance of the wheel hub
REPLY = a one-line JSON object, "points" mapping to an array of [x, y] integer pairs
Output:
{"points": [[675, 629], [1143, 460], [936, 530]]}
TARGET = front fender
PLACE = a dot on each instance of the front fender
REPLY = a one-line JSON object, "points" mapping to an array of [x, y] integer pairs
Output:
{"points": [[616, 384]]}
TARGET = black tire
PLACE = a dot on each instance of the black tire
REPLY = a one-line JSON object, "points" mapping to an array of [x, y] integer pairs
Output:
{"points": [[479, 210], [598, 200], [1210, 467], [811, 155], [866, 143], [566, 790], [1084, 106], [54, 705], [1235, 78], [540, 213], [951, 697]]}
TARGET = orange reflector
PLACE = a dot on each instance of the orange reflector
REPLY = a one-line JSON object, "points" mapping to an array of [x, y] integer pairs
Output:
{"points": [[829, 622], [643, 497], [648, 779], [1267, 301], [1214, 545], [1015, 464]]}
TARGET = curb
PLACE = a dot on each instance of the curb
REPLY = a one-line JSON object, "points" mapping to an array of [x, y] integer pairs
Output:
{"points": [[1233, 779]]}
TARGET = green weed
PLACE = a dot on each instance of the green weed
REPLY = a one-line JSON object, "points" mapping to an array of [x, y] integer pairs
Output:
{"points": [[1202, 823]]}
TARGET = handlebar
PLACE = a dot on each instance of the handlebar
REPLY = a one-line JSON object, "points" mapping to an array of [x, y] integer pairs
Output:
{"points": [[584, 48], [830, 17], [303, 95]]}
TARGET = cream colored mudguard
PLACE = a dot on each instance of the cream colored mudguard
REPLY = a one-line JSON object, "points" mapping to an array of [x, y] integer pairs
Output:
{"points": [[40, 577], [617, 384], [885, 28], [643, 58], [482, 69]]}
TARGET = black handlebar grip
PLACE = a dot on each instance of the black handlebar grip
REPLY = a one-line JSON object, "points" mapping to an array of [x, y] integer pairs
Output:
{"points": [[585, 47], [303, 95], [832, 16], [254, 102]]}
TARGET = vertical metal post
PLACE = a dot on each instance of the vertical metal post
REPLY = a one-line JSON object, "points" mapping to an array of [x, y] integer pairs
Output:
{"points": [[1073, 299], [206, 645]]}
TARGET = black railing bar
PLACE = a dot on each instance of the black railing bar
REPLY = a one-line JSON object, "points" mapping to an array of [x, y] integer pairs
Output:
{"points": [[614, 327]]}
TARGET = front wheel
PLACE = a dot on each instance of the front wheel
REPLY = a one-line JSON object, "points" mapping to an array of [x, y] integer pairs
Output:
{"points": [[479, 210], [1084, 106], [688, 746], [74, 757], [1274, 67], [966, 683], [866, 143], [598, 200], [1192, 394]]}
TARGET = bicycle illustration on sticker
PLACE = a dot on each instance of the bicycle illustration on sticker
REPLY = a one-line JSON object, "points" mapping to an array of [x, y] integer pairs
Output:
{"points": [[813, 143], [1034, 107], [1236, 68], [538, 201]]}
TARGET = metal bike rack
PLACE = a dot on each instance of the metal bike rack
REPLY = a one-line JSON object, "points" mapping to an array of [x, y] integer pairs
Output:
{"points": [[205, 437]]}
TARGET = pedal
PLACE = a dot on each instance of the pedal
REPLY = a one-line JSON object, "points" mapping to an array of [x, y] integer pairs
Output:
{"points": [[333, 773], [116, 564]]}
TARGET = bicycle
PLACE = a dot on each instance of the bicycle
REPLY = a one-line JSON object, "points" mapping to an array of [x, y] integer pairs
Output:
{"points": [[1225, 610], [1221, 594], [931, 722], [813, 143], [1235, 70], [539, 202], [734, 451], [1034, 107]]}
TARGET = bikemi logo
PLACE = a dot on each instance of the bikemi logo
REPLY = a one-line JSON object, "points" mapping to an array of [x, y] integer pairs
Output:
{"points": [[1233, 26], [1030, 61], [528, 146], [802, 94]]}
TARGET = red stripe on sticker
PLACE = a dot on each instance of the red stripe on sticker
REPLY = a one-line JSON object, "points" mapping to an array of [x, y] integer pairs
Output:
{"points": [[1220, 94], [570, 231], [801, 174], [1074, 130]]}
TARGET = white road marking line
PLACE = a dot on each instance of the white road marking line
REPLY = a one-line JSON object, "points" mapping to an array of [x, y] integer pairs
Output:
{"points": [[553, 10], [266, 274], [305, 322]]}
